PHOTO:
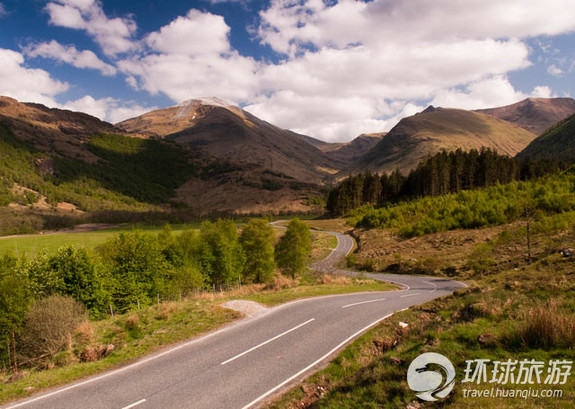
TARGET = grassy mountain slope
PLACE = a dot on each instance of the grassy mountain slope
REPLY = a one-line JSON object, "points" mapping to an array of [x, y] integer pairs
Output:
{"points": [[348, 153], [226, 131], [534, 114], [558, 142], [435, 129]]}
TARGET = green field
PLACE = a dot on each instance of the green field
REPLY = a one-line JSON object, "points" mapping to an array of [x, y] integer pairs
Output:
{"points": [[31, 245]]}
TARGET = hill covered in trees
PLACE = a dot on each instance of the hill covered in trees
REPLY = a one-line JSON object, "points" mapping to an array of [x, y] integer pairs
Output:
{"points": [[440, 174]]}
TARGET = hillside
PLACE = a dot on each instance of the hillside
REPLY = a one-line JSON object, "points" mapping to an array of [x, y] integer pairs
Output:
{"points": [[228, 132], [558, 142], [434, 129], [348, 153], [62, 163], [534, 114], [52, 130]]}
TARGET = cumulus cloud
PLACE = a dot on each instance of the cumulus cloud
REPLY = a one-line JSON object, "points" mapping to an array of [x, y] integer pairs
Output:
{"points": [[343, 67], [394, 50], [113, 35], [70, 55], [108, 109], [26, 84], [192, 57]]}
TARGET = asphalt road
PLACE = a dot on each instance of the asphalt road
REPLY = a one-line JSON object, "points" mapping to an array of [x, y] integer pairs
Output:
{"points": [[244, 364]]}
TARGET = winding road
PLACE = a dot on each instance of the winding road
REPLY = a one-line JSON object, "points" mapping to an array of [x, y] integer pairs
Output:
{"points": [[246, 363]]}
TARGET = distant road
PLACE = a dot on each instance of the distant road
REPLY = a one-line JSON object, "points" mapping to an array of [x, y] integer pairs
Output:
{"points": [[244, 364]]}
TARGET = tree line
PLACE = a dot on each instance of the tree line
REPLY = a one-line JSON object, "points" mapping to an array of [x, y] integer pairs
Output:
{"points": [[135, 269], [440, 174]]}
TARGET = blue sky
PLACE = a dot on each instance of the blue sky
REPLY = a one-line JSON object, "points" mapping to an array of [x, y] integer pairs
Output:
{"points": [[329, 69]]}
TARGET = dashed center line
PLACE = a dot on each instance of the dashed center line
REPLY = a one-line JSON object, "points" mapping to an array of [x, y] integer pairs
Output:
{"points": [[410, 295], [133, 405], [363, 302], [267, 342]]}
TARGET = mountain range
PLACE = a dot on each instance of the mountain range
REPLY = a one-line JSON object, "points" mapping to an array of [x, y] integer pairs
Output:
{"points": [[220, 158]]}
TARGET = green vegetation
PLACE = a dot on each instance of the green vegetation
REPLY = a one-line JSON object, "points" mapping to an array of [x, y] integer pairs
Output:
{"points": [[492, 206], [556, 142], [437, 175], [257, 240], [294, 248], [135, 269], [131, 174], [513, 310]]}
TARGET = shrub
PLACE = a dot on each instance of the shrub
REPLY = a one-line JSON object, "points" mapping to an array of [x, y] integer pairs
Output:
{"points": [[48, 326]]}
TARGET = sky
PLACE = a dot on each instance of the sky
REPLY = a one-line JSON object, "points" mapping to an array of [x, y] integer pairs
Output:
{"points": [[331, 69]]}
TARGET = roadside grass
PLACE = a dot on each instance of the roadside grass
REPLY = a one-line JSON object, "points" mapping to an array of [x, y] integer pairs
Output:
{"points": [[513, 310], [99, 346]]}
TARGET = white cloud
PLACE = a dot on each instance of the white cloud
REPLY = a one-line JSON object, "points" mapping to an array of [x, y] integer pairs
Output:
{"points": [[555, 70], [26, 84], [3, 11], [347, 67], [114, 35], [70, 55], [196, 34], [192, 57], [108, 109], [488, 93]]}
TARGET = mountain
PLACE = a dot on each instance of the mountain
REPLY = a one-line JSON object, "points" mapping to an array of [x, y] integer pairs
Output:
{"points": [[425, 133], [228, 132], [348, 153], [54, 160], [52, 130], [534, 114], [558, 142]]}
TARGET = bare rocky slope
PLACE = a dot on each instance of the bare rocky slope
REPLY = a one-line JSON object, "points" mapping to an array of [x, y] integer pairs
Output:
{"points": [[534, 114]]}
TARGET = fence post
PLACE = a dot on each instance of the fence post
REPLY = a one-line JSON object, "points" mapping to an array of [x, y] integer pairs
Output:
{"points": [[111, 311]]}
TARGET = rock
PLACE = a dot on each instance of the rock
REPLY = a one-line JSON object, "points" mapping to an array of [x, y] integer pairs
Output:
{"points": [[403, 324]]}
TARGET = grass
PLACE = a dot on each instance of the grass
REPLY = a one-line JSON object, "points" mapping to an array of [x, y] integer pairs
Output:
{"points": [[513, 310], [32, 245]]}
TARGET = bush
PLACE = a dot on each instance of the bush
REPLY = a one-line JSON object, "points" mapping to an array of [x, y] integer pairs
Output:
{"points": [[48, 326]]}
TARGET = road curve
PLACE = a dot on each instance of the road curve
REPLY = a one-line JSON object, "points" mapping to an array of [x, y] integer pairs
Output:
{"points": [[244, 364]]}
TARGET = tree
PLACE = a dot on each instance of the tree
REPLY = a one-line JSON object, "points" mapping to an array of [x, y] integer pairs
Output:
{"points": [[294, 248], [14, 302], [82, 279], [257, 241], [138, 267], [221, 255]]}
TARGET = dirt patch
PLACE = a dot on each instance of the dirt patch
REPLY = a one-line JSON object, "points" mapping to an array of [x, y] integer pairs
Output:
{"points": [[247, 308]]}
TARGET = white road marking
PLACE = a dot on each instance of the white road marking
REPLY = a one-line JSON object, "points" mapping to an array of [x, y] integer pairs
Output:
{"points": [[133, 405], [307, 368], [363, 302], [267, 342], [435, 285], [410, 295]]}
